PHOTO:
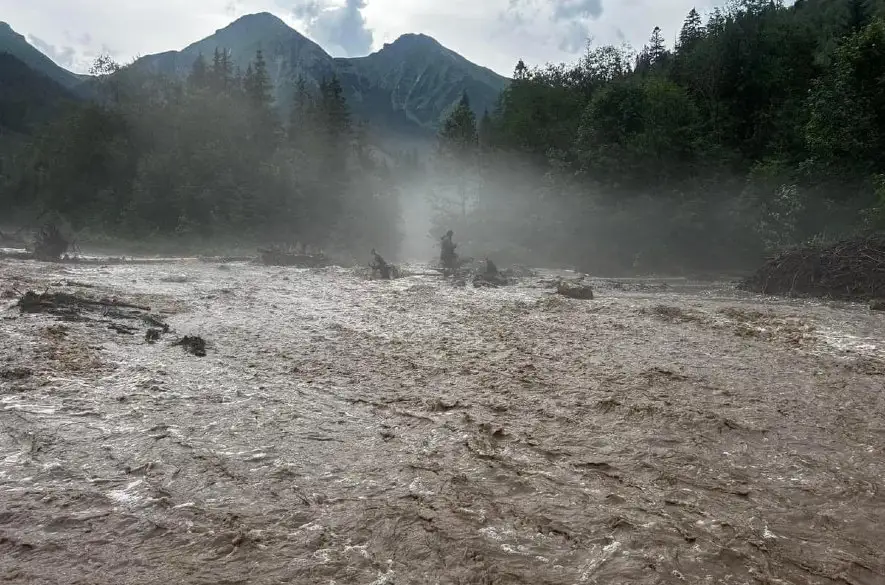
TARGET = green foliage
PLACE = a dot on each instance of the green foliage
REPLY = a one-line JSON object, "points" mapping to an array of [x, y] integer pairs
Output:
{"points": [[846, 126], [762, 128]]}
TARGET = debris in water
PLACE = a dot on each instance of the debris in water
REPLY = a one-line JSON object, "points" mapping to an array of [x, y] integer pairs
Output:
{"points": [[575, 290], [850, 269], [124, 329], [379, 265], [116, 314], [32, 302], [15, 373], [50, 245], [192, 344], [153, 321], [877, 305], [490, 278], [152, 335], [277, 256]]}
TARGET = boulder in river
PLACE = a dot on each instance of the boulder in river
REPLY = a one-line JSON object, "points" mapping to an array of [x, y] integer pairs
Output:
{"points": [[575, 290]]}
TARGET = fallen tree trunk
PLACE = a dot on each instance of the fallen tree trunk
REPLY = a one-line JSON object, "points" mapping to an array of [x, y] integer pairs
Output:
{"points": [[278, 257]]}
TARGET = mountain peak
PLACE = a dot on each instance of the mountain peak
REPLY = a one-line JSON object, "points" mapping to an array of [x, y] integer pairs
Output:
{"points": [[8, 30], [259, 20], [413, 41]]}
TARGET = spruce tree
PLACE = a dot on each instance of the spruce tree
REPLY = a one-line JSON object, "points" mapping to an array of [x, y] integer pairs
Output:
{"points": [[692, 31], [657, 48], [260, 88], [199, 75]]}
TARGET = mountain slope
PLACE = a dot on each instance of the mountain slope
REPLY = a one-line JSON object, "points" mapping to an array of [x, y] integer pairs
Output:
{"points": [[27, 97], [406, 88], [418, 78], [16, 45], [403, 90], [287, 52]]}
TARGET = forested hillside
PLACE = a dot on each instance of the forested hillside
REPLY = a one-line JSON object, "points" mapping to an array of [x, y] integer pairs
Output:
{"points": [[27, 98], [763, 126], [209, 157]]}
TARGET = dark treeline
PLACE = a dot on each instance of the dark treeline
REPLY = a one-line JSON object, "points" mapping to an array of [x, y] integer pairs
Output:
{"points": [[763, 127], [210, 156]]}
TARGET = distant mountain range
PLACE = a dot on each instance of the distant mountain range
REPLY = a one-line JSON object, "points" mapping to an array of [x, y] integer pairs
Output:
{"points": [[403, 90]]}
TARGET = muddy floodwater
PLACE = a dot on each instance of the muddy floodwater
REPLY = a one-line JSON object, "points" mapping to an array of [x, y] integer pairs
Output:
{"points": [[341, 430]]}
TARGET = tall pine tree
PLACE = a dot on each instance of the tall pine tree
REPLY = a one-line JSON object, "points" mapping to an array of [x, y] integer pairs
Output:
{"points": [[692, 31], [199, 75], [257, 83]]}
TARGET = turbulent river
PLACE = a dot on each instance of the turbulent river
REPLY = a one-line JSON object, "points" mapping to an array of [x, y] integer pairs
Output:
{"points": [[342, 430]]}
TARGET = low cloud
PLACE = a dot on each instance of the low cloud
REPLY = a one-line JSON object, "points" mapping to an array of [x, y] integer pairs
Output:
{"points": [[64, 56], [572, 9], [574, 37], [341, 30]]}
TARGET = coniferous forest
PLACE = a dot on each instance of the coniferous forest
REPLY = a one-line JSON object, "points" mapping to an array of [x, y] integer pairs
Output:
{"points": [[761, 126]]}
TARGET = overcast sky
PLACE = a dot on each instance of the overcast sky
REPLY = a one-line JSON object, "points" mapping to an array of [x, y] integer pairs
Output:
{"points": [[494, 33]]}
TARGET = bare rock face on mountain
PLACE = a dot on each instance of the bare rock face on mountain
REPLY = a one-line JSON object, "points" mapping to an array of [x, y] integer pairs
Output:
{"points": [[415, 81]]}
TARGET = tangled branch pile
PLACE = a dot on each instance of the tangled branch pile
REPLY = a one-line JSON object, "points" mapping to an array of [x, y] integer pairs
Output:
{"points": [[849, 269]]}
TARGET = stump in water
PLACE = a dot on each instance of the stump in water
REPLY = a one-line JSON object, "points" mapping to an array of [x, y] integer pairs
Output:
{"points": [[380, 265], [850, 269], [50, 245], [193, 345], [575, 290], [490, 278]]}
